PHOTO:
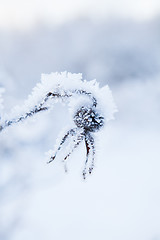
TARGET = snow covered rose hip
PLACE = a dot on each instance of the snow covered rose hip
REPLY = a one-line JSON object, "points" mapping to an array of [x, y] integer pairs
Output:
{"points": [[90, 105]]}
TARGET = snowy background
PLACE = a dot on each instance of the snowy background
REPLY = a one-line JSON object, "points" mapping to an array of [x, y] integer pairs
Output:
{"points": [[117, 43]]}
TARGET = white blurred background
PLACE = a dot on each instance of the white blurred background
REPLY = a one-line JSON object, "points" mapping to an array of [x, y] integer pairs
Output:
{"points": [[118, 43]]}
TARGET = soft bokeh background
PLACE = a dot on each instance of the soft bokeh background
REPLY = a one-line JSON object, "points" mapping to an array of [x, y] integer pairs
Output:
{"points": [[118, 43]]}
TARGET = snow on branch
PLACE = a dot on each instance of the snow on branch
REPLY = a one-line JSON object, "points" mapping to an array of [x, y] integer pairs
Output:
{"points": [[90, 105]]}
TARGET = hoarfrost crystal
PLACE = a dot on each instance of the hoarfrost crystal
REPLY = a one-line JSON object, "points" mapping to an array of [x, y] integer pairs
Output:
{"points": [[91, 107]]}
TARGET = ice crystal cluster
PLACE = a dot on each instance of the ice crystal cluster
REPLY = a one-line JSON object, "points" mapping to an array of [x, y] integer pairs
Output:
{"points": [[91, 107]]}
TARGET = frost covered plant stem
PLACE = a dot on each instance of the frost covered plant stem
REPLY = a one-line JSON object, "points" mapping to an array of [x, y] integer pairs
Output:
{"points": [[90, 105]]}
